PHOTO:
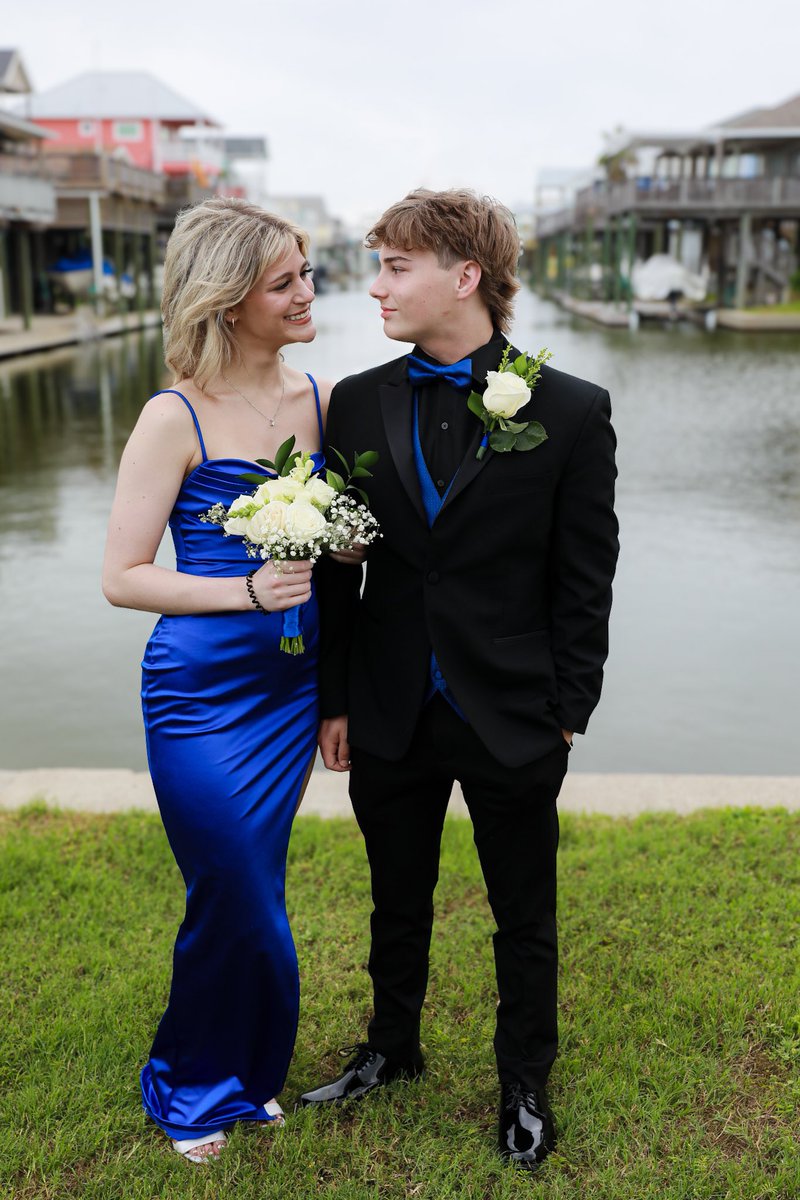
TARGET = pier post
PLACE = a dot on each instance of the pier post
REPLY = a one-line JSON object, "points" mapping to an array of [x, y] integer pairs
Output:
{"points": [[5, 291], [631, 255], [137, 272], [588, 254], [119, 265], [40, 281], [616, 291], [743, 261], [152, 253], [607, 259], [96, 227], [25, 276]]}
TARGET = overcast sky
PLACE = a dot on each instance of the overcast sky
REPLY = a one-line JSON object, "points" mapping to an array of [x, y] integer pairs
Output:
{"points": [[363, 101]]}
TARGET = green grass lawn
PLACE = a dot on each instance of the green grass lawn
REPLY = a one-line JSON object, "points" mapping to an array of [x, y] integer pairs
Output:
{"points": [[679, 1071], [790, 306]]}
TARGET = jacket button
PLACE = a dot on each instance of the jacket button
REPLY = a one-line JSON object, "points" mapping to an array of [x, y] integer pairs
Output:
{"points": [[433, 576]]}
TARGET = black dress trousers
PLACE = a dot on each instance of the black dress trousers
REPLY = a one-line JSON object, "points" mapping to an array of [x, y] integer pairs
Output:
{"points": [[400, 808]]}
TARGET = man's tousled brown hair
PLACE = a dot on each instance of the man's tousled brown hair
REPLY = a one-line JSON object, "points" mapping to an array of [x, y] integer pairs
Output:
{"points": [[459, 224]]}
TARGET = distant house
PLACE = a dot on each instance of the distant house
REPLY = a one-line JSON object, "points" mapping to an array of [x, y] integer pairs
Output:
{"points": [[13, 76], [723, 199], [27, 196], [134, 117], [246, 159]]}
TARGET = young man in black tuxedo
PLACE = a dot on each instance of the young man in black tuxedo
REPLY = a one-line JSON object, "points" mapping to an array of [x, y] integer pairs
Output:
{"points": [[477, 647]]}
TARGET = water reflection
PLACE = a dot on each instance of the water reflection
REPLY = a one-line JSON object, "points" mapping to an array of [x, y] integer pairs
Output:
{"points": [[704, 630], [76, 405]]}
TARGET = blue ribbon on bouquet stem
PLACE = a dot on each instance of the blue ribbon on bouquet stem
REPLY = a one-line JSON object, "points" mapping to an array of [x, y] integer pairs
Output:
{"points": [[292, 631]]}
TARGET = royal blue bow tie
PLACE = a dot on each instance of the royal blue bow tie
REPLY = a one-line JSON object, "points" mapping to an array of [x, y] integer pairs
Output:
{"points": [[458, 375]]}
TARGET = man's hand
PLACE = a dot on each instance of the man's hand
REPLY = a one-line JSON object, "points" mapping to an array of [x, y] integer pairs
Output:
{"points": [[353, 557], [567, 736], [333, 744]]}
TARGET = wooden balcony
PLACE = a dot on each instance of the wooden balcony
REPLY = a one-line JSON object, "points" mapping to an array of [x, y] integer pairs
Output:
{"points": [[664, 199], [778, 196], [180, 191], [83, 173], [26, 194]]}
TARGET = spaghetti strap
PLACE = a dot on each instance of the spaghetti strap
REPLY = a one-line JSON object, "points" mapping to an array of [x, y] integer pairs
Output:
{"points": [[319, 411], [194, 417]]}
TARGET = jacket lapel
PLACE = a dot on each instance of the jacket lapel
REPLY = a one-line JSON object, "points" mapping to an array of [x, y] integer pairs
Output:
{"points": [[469, 468], [472, 466], [396, 400]]}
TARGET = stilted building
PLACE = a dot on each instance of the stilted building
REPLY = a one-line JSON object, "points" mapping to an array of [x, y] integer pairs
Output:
{"points": [[27, 199], [724, 200]]}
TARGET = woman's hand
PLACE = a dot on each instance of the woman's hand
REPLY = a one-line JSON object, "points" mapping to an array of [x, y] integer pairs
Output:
{"points": [[282, 585], [353, 557]]}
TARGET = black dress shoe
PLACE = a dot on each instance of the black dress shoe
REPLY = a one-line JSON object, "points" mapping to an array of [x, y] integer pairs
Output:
{"points": [[526, 1131], [367, 1070]]}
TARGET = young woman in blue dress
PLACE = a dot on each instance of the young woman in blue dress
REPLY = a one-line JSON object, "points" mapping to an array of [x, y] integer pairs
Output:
{"points": [[230, 720]]}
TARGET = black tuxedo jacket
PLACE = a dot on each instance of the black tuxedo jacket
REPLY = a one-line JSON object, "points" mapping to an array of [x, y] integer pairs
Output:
{"points": [[511, 587]]}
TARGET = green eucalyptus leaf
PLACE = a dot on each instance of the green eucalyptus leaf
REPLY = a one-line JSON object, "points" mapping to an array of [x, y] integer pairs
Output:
{"points": [[341, 459], [516, 426], [251, 477], [367, 459], [360, 492], [335, 481], [265, 462], [361, 473], [475, 405], [533, 436], [502, 440], [521, 365], [284, 450]]}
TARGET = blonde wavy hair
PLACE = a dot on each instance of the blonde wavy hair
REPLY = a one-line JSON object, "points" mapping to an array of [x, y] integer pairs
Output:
{"points": [[459, 224], [216, 253]]}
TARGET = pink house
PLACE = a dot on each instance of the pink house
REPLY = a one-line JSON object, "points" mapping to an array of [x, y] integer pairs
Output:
{"points": [[134, 117]]}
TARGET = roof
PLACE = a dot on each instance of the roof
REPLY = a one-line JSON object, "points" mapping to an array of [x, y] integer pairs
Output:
{"points": [[785, 115], [13, 76], [13, 128], [246, 147], [115, 95]]}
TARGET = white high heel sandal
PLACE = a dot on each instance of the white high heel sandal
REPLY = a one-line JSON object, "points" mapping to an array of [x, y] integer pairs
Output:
{"points": [[187, 1147]]}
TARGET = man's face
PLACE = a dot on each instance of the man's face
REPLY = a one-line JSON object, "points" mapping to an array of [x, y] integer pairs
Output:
{"points": [[416, 295]]}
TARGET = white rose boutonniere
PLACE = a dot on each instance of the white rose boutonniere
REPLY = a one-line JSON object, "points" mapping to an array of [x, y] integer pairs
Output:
{"points": [[508, 389], [505, 394]]}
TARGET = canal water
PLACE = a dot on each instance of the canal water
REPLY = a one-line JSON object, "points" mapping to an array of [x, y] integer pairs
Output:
{"points": [[705, 637]]}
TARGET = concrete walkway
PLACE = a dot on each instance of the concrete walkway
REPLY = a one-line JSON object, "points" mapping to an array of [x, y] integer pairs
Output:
{"points": [[617, 316], [615, 795], [49, 332]]}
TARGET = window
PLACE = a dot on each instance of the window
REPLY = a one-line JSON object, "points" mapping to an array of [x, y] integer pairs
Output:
{"points": [[127, 131]]}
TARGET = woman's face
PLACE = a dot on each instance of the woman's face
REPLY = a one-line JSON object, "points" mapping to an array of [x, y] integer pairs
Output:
{"points": [[278, 309]]}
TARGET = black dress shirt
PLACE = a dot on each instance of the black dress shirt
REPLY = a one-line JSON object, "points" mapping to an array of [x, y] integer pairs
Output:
{"points": [[446, 425]]}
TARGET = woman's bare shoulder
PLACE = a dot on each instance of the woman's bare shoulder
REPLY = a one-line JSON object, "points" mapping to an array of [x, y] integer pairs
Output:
{"points": [[165, 415]]}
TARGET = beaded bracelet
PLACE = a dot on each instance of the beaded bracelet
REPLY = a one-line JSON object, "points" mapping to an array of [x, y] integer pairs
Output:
{"points": [[251, 591]]}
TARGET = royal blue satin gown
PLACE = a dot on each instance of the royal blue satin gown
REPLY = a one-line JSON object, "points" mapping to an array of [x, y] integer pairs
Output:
{"points": [[230, 722]]}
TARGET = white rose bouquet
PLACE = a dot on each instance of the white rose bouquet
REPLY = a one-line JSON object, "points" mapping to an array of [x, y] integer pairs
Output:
{"points": [[508, 389], [295, 514]]}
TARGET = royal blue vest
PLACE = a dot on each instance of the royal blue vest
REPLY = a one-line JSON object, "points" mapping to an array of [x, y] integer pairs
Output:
{"points": [[432, 503]]}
